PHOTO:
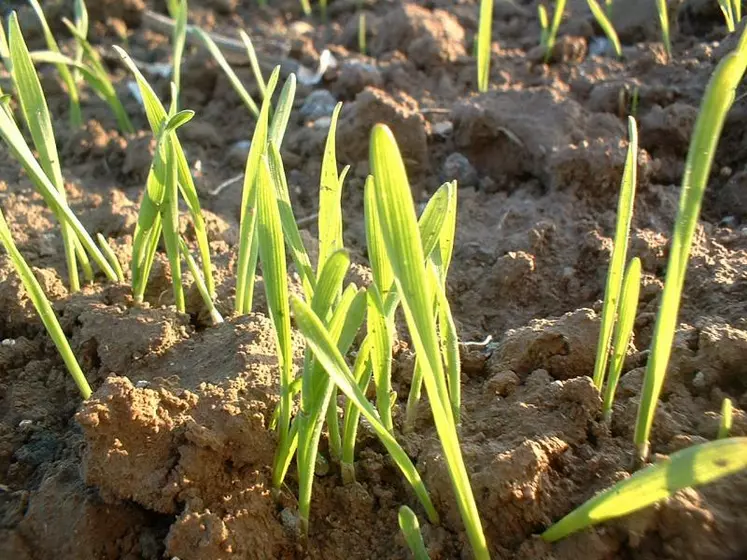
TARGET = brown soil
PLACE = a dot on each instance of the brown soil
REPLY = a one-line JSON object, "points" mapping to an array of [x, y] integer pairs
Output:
{"points": [[171, 457]]}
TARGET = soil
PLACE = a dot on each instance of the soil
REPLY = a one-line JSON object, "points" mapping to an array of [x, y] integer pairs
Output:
{"points": [[171, 456]]}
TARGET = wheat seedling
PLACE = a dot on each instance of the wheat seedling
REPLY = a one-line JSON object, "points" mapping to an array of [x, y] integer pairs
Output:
{"points": [[408, 524], [694, 466], [604, 22], [724, 426], [619, 252], [43, 308], [484, 42], [718, 99]]}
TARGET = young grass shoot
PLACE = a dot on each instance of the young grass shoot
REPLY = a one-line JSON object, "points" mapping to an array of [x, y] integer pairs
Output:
{"points": [[604, 22], [718, 99]]}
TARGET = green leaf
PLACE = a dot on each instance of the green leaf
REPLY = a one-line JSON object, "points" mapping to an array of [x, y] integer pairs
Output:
{"points": [[330, 195], [156, 115], [272, 256], [606, 25], [230, 74], [484, 42], [76, 119], [290, 227], [380, 265], [252, 54], [329, 356], [693, 466], [43, 308], [718, 99], [724, 426], [282, 112], [102, 82], [246, 270], [408, 524], [619, 254], [402, 239], [623, 331], [381, 356]]}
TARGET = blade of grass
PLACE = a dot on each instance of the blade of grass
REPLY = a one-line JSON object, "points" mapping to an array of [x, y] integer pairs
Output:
{"points": [[254, 62], [317, 386], [408, 524], [156, 115], [484, 43], [552, 34], [325, 351], [282, 111], [623, 332], [661, 6], [330, 195], [179, 39], [402, 239], [694, 466], [606, 25], [362, 373], [247, 225], [43, 308], [272, 256], [381, 357], [111, 256], [76, 120], [619, 252], [230, 74], [39, 123], [215, 315], [727, 10], [17, 144], [290, 226], [102, 83], [718, 99], [724, 426]]}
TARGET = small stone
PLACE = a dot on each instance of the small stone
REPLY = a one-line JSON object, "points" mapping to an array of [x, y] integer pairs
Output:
{"points": [[24, 424], [238, 152], [8, 342], [458, 167], [699, 381], [443, 129], [319, 103], [290, 521], [142, 384], [503, 383]]}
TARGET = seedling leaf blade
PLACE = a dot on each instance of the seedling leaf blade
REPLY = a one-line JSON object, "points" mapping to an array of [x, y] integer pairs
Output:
{"points": [[694, 466]]}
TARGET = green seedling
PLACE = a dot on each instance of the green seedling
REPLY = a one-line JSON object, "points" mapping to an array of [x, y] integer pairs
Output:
{"points": [[619, 252], [43, 308], [97, 77], [326, 352], [178, 40], [254, 62], [550, 32], [623, 332], [80, 16], [248, 245], [484, 42], [661, 7], [76, 120], [230, 74], [108, 252], [408, 524], [272, 256], [15, 141], [215, 315], [362, 33], [306, 7], [159, 212], [724, 426], [396, 214], [604, 22], [691, 467], [441, 231], [157, 117], [732, 10], [718, 99], [39, 123]]}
